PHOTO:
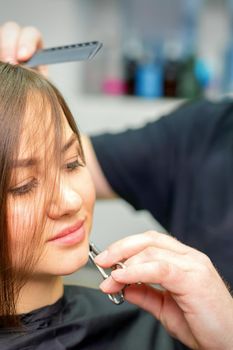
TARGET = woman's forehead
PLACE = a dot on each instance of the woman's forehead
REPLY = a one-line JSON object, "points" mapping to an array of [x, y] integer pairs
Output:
{"points": [[40, 131]]}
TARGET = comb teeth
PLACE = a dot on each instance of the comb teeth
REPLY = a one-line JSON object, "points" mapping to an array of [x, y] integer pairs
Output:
{"points": [[66, 53]]}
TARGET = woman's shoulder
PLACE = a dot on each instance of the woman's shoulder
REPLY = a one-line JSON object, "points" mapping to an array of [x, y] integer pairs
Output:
{"points": [[92, 301], [84, 316]]}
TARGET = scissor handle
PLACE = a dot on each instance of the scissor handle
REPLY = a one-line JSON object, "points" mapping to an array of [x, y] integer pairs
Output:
{"points": [[116, 298]]}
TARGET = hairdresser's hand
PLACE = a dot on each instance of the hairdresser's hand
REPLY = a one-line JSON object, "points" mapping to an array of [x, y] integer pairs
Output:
{"points": [[19, 44], [196, 307]]}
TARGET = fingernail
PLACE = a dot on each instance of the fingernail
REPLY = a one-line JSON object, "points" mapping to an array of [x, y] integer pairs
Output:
{"points": [[9, 60], [23, 52], [118, 273], [100, 258]]}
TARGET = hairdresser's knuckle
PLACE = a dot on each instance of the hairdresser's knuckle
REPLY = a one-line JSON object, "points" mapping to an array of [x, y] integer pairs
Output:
{"points": [[205, 259], [204, 273], [153, 235], [200, 257], [150, 234], [149, 252], [201, 265], [159, 238], [165, 269]]}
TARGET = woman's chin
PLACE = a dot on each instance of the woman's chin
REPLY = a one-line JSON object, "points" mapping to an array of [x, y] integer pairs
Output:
{"points": [[73, 267], [64, 262]]}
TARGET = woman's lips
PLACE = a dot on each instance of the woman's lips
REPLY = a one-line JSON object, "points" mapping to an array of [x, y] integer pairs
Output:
{"points": [[71, 235]]}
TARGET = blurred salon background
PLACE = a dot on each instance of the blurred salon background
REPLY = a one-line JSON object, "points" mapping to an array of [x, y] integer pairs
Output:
{"points": [[156, 54]]}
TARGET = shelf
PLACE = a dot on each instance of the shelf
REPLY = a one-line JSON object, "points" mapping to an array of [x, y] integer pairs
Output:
{"points": [[100, 113]]}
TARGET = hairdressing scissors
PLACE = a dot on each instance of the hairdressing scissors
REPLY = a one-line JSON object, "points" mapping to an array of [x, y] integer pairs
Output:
{"points": [[117, 298]]}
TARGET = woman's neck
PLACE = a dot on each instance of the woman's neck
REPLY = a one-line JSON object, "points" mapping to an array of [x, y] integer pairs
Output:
{"points": [[39, 292]]}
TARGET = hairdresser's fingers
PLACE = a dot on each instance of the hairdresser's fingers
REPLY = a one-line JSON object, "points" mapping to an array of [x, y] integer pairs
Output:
{"points": [[110, 286], [205, 302], [166, 274], [9, 34], [129, 246], [164, 308], [194, 291], [18, 45], [29, 41], [172, 277], [197, 292], [150, 255], [175, 272]]}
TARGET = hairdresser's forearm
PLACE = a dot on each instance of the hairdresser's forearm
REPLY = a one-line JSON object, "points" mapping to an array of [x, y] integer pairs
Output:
{"points": [[103, 188]]}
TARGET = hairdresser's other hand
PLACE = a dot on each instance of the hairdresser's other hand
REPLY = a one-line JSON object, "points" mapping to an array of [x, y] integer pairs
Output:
{"points": [[18, 44], [195, 307]]}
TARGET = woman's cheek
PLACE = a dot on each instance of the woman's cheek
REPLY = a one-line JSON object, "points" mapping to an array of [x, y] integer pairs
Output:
{"points": [[20, 220], [85, 188], [90, 195]]}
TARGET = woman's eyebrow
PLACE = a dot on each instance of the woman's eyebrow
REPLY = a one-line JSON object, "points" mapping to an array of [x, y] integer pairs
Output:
{"points": [[25, 163], [30, 162], [70, 142]]}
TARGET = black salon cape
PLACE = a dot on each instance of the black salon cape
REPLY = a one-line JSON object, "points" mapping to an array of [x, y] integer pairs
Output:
{"points": [[180, 169], [84, 319]]}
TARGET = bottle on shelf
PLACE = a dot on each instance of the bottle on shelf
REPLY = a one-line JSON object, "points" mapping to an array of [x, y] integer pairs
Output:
{"points": [[149, 73]]}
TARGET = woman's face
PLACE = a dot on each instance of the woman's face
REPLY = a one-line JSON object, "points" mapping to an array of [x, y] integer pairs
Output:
{"points": [[50, 202]]}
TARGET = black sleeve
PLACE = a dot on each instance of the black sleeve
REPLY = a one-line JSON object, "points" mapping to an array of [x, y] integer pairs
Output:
{"points": [[144, 165]]}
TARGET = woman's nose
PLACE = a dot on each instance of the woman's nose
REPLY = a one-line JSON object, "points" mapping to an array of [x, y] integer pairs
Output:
{"points": [[66, 201]]}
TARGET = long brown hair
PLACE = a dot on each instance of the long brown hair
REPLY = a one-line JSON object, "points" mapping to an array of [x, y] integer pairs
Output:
{"points": [[20, 88]]}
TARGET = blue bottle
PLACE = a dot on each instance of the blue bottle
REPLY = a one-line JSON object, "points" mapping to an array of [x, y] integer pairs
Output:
{"points": [[149, 79]]}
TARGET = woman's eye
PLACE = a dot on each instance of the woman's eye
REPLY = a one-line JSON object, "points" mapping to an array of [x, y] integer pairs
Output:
{"points": [[73, 165], [24, 189]]}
